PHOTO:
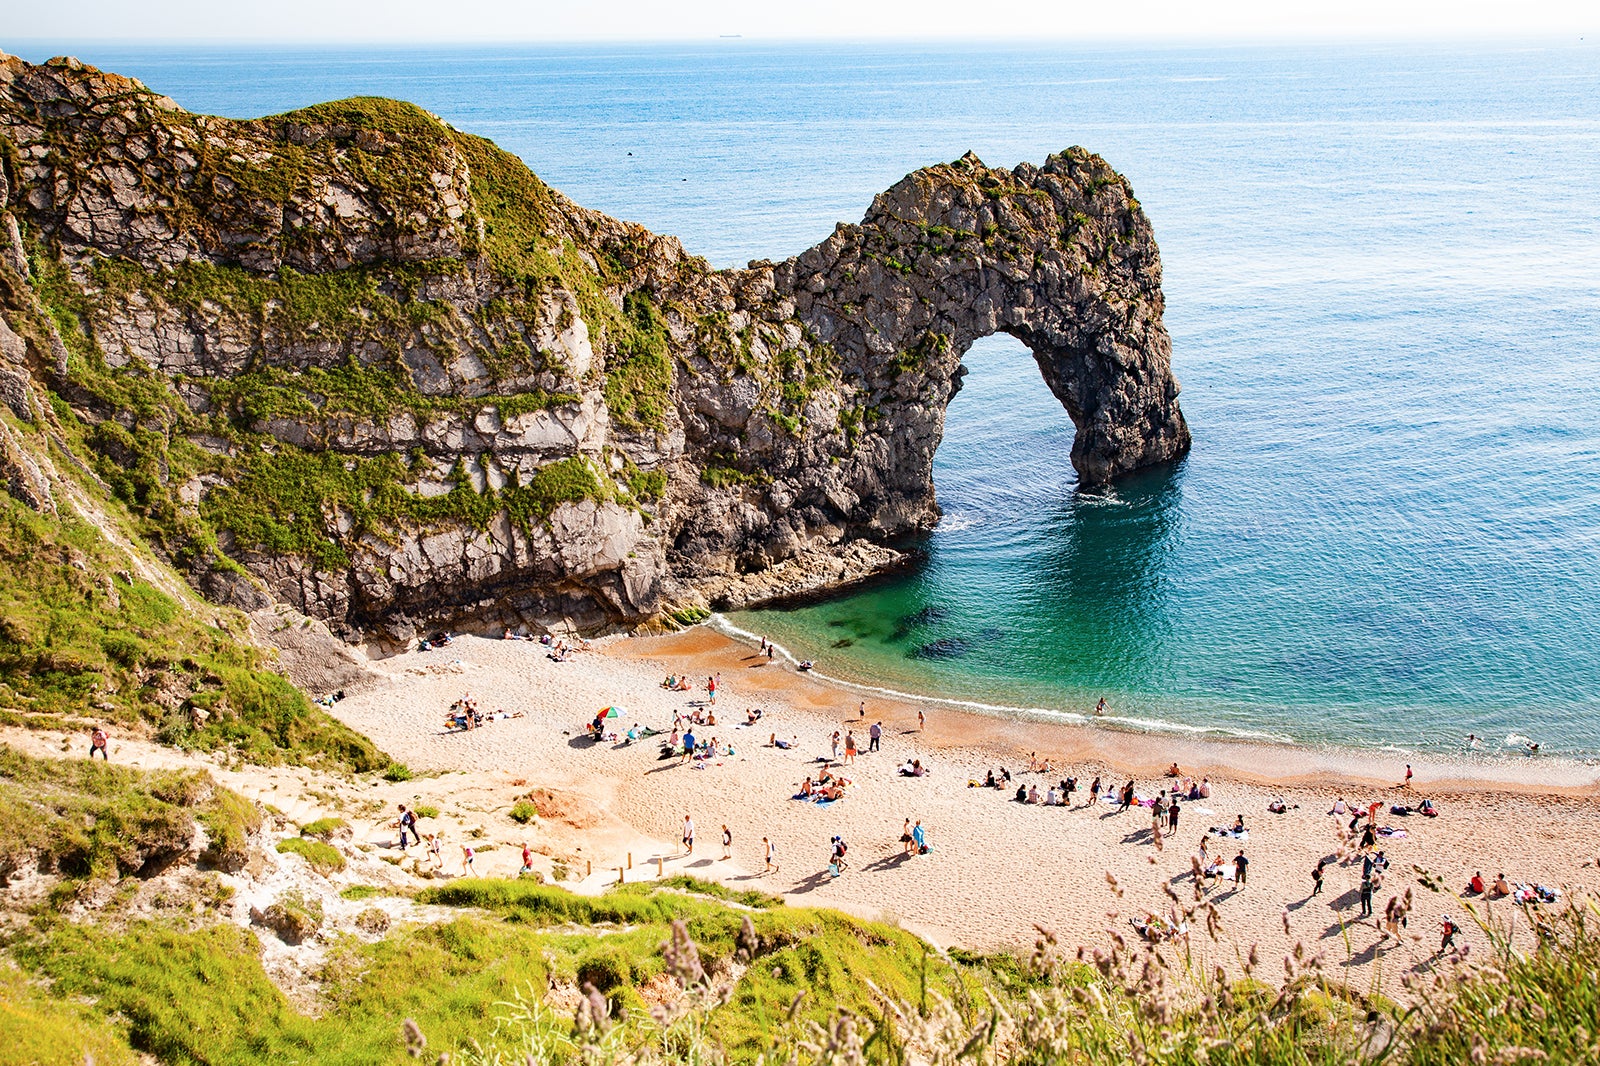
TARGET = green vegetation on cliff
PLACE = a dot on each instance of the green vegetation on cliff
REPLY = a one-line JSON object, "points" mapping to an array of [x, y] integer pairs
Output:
{"points": [[83, 640], [766, 980], [88, 820]]}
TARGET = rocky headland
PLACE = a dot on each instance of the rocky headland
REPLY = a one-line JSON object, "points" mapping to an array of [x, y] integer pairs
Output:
{"points": [[356, 362]]}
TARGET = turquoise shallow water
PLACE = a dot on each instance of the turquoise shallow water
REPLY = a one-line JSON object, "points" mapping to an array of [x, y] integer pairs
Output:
{"points": [[1383, 285]]}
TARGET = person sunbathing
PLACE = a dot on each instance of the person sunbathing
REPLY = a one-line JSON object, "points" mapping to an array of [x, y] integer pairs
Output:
{"points": [[1238, 824], [805, 787], [1475, 886], [1277, 806]]}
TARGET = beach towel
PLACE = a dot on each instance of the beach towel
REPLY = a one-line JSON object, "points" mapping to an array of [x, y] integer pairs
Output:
{"points": [[1391, 833], [1229, 833], [827, 803]]}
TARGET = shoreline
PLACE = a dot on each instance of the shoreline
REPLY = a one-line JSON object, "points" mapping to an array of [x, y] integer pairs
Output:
{"points": [[1239, 751], [998, 867]]}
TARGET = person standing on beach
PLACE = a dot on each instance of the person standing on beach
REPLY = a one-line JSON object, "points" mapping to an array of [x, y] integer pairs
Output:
{"points": [[688, 834], [1366, 897], [772, 855], [1068, 787], [1127, 798], [727, 843], [849, 746], [919, 839], [874, 734], [835, 745], [407, 823], [435, 844], [770, 647], [1094, 792], [1172, 816], [1316, 877], [98, 740], [905, 837], [527, 859], [1158, 811], [1241, 866], [863, 712], [1407, 782], [688, 745], [922, 723]]}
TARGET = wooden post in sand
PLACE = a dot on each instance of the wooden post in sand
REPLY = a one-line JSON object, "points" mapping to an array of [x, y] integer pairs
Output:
{"points": [[589, 865], [630, 860], [622, 875], [660, 866]]}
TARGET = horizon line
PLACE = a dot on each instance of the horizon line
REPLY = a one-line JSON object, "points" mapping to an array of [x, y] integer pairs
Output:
{"points": [[1309, 39]]}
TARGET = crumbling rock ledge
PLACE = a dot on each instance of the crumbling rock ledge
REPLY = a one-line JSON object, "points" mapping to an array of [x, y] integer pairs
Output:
{"points": [[355, 361]]}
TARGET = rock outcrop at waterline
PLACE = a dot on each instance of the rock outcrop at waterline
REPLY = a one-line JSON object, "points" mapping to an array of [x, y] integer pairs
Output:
{"points": [[365, 364]]}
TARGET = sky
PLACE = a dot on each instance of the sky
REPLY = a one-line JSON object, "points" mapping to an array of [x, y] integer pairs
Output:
{"points": [[504, 21]]}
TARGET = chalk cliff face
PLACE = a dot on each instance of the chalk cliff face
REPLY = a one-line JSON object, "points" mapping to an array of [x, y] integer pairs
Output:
{"points": [[357, 361]]}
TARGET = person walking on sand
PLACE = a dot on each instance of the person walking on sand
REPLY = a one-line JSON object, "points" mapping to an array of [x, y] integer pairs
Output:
{"points": [[98, 740], [1127, 798], [727, 843], [1316, 877], [874, 734], [1407, 782], [1241, 866], [467, 855], [1447, 934], [527, 859], [435, 843], [772, 855], [688, 834]]}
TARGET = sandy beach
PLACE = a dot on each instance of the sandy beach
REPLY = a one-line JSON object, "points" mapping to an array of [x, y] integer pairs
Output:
{"points": [[996, 866]]}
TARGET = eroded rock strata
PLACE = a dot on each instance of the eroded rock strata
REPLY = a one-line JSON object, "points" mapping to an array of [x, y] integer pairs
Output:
{"points": [[357, 361]]}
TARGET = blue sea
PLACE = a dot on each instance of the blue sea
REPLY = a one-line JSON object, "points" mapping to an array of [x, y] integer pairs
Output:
{"points": [[1382, 272]]}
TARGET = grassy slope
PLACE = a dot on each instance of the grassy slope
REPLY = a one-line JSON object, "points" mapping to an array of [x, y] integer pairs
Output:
{"points": [[83, 640], [453, 978], [87, 820]]}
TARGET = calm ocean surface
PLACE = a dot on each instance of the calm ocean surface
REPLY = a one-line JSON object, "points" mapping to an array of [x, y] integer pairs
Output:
{"points": [[1383, 287]]}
